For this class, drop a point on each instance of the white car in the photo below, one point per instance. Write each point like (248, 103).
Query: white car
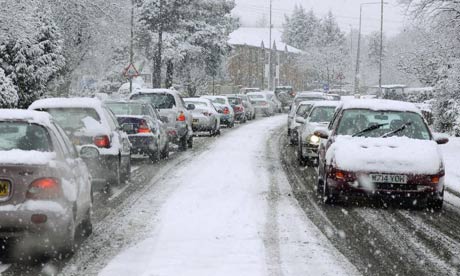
(272, 97)
(319, 116)
(262, 104)
(381, 148)
(227, 115)
(301, 111)
(205, 116)
(88, 121)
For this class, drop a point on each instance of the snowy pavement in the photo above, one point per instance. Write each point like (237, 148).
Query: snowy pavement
(232, 213)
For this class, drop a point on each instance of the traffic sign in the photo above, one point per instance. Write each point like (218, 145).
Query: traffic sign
(130, 71)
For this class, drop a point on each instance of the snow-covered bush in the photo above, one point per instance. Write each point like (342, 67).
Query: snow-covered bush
(8, 93)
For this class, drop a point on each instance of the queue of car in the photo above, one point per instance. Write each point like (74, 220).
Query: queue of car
(369, 148)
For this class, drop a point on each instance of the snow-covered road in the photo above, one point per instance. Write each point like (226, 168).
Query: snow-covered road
(232, 213)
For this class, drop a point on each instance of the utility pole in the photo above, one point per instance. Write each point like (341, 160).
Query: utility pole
(270, 49)
(131, 47)
(381, 47)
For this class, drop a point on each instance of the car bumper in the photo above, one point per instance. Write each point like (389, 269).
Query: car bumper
(202, 124)
(264, 110)
(177, 132)
(103, 168)
(309, 151)
(227, 119)
(142, 144)
(240, 116)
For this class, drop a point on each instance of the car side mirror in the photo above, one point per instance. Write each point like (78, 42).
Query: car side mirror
(190, 107)
(220, 111)
(300, 120)
(321, 133)
(127, 127)
(441, 139)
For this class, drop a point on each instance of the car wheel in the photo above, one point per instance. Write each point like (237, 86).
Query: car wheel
(289, 132)
(300, 158)
(183, 143)
(165, 152)
(155, 156)
(190, 142)
(86, 226)
(319, 187)
(435, 202)
(125, 176)
(116, 180)
(328, 197)
(68, 245)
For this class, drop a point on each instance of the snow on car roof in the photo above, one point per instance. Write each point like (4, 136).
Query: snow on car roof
(154, 90)
(202, 100)
(379, 104)
(325, 103)
(307, 102)
(310, 93)
(30, 116)
(66, 103)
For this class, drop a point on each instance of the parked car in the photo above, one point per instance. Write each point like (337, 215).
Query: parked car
(380, 148)
(45, 187)
(263, 95)
(205, 116)
(309, 96)
(319, 116)
(286, 95)
(272, 97)
(146, 132)
(227, 115)
(263, 107)
(250, 110)
(238, 108)
(174, 113)
(88, 121)
(301, 111)
(246, 90)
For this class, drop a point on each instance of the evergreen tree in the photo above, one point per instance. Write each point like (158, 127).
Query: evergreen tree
(8, 93)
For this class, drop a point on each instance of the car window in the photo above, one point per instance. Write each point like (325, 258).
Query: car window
(303, 110)
(111, 119)
(69, 147)
(159, 100)
(24, 136)
(321, 114)
(73, 119)
(126, 108)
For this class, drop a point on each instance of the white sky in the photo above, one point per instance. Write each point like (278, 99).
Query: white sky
(346, 12)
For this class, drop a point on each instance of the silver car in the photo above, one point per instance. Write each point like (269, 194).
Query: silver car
(301, 111)
(205, 116)
(45, 187)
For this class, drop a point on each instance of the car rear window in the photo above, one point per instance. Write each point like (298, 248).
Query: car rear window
(303, 109)
(159, 100)
(197, 104)
(126, 108)
(72, 119)
(218, 100)
(24, 136)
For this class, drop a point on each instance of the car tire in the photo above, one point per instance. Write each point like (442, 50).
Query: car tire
(328, 197)
(68, 246)
(436, 202)
(116, 181)
(126, 175)
(289, 132)
(190, 142)
(86, 226)
(183, 143)
(165, 151)
(155, 156)
(301, 161)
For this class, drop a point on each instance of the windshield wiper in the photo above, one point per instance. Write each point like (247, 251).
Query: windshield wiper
(367, 129)
(401, 128)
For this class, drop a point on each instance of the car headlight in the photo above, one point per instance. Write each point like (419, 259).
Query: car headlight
(314, 140)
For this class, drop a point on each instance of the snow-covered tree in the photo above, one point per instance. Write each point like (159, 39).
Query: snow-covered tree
(301, 29)
(8, 92)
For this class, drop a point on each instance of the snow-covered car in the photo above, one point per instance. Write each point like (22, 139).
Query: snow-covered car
(45, 187)
(227, 116)
(263, 95)
(319, 116)
(88, 121)
(174, 113)
(205, 116)
(272, 97)
(263, 107)
(248, 107)
(380, 148)
(238, 108)
(309, 96)
(301, 111)
(142, 123)
(285, 95)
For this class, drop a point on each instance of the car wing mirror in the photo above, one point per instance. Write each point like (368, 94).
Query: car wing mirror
(89, 152)
(440, 138)
(321, 133)
(300, 120)
(190, 107)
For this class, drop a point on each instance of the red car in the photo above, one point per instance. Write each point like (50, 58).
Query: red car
(380, 148)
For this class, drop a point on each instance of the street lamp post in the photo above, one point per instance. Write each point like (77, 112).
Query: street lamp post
(381, 47)
(270, 49)
(131, 46)
(356, 88)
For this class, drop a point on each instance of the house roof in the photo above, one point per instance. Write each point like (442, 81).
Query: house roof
(255, 36)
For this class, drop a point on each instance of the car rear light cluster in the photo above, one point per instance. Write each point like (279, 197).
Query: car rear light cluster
(143, 127)
(341, 175)
(226, 111)
(102, 141)
(181, 117)
(44, 189)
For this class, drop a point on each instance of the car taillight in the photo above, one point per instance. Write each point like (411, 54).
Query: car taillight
(340, 175)
(102, 141)
(181, 117)
(143, 127)
(238, 109)
(44, 188)
(226, 110)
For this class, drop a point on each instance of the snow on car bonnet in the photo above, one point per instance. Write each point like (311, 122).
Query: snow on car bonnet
(379, 104)
(385, 155)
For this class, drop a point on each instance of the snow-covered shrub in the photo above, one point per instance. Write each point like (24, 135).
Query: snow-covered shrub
(8, 93)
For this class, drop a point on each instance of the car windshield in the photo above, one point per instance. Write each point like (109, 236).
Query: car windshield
(126, 108)
(322, 114)
(303, 109)
(24, 136)
(73, 119)
(159, 100)
(354, 121)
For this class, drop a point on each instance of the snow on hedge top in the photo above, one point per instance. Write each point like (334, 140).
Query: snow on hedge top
(256, 36)
(379, 104)
(385, 155)
(67, 103)
(30, 116)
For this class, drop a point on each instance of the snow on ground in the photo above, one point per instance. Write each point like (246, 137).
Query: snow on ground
(451, 154)
(232, 215)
